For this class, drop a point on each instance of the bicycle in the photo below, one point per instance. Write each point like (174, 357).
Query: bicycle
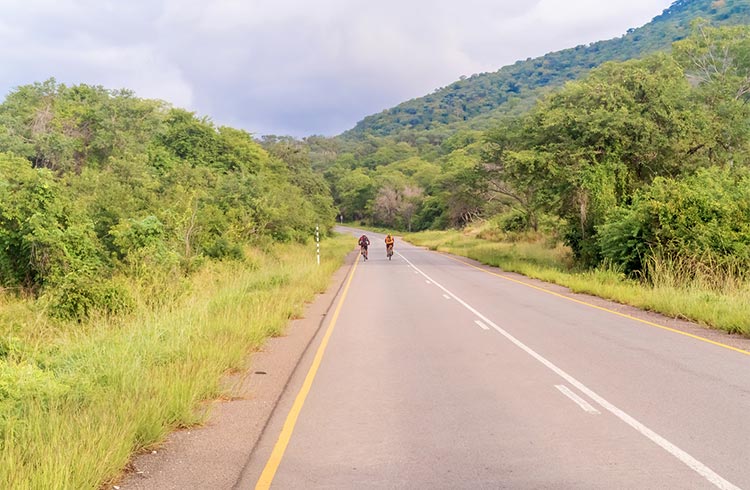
(389, 251)
(363, 252)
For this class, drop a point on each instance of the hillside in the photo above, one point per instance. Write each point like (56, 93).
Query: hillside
(476, 100)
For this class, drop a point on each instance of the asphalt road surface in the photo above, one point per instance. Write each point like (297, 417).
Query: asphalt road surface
(434, 373)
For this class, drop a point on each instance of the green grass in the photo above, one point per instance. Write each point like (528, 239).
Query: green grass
(709, 299)
(76, 400)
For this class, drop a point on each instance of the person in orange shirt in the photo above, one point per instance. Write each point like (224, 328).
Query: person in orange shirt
(389, 241)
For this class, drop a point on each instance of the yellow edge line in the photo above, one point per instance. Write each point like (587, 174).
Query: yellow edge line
(264, 482)
(624, 315)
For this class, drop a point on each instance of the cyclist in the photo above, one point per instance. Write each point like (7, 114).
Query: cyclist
(389, 241)
(364, 242)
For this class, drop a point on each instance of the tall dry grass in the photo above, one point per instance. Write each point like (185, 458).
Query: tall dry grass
(76, 400)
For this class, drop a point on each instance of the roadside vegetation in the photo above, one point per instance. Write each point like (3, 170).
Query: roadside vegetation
(144, 253)
(77, 398)
(711, 295)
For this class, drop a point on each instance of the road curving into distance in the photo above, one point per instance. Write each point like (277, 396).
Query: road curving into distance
(435, 373)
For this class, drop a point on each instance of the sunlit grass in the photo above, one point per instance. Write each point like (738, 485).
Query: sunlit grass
(76, 400)
(715, 298)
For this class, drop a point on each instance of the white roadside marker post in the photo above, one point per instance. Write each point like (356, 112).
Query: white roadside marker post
(317, 242)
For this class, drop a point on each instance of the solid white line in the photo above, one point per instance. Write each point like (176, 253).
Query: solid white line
(446, 296)
(479, 322)
(428, 282)
(675, 451)
(586, 406)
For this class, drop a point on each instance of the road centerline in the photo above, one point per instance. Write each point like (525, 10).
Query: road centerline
(672, 449)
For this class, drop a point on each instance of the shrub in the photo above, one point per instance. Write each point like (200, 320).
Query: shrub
(25, 380)
(78, 294)
(42, 235)
(514, 221)
(131, 235)
(220, 248)
(705, 216)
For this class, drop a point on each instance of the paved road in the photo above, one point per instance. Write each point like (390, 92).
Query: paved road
(440, 375)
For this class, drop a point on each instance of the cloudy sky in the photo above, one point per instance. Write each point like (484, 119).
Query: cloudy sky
(292, 66)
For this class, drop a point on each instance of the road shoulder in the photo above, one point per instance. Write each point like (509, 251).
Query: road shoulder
(214, 455)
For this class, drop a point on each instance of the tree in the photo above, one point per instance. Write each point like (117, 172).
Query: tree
(463, 192)
(587, 148)
(397, 207)
(517, 173)
(355, 189)
(387, 205)
(410, 203)
(717, 61)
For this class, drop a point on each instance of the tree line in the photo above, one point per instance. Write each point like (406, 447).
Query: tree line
(98, 185)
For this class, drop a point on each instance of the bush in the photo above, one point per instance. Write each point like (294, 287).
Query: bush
(151, 194)
(221, 248)
(20, 382)
(42, 234)
(77, 295)
(514, 221)
(131, 235)
(705, 216)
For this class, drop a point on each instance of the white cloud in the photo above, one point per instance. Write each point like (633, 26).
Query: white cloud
(292, 66)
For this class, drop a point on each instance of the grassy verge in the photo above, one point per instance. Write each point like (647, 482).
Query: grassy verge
(726, 307)
(76, 400)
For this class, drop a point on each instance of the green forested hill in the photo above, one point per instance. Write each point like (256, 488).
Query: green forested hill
(612, 163)
(513, 88)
